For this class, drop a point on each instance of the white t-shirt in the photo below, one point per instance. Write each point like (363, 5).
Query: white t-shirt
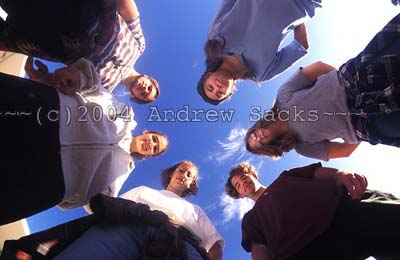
(181, 211)
(95, 138)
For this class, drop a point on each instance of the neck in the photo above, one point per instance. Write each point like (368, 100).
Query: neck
(258, 193)
(131, 77)
(177, 192)
(233, 65)
(278, 127)
(133, 148)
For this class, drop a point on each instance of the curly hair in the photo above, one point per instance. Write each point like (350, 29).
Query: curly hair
(166, 175)
(243, 168)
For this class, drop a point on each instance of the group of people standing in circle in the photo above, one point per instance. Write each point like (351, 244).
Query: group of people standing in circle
(312, 212)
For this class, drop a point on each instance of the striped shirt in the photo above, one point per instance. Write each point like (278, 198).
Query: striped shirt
(117, 59)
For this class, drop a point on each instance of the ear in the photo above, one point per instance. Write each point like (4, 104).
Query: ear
(254, 175)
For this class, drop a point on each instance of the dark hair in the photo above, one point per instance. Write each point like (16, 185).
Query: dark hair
(214, 50)
(202, 93)
(167, 173)
(153, 82)
(276, 147)
(240, 169)
(139, 156)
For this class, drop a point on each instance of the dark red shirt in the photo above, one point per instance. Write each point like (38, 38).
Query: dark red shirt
(294, 210)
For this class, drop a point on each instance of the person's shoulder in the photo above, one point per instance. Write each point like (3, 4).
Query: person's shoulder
(248, 217)
(138, 189)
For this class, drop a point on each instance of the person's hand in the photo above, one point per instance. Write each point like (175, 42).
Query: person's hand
(41, 74)
(67, 80)
(355, 184)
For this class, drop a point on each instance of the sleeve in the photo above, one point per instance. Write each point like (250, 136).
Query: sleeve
(133, 194)
(304, 172)
(251, 234)
(136, 29)
(223, 10)
(296, 82)
(316, 150)
(284, 58)
(206, 231)
(89, 78)
(114, 188)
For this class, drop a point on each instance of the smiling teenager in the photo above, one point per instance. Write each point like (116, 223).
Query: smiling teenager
(200, 235)
(358, 102)
(313, 213)
(241, 48)
(143, 89)
(63, 145)
(106, 32)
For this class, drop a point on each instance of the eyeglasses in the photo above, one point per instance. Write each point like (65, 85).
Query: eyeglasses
(156, 142)
(255, 139)
(187, 172)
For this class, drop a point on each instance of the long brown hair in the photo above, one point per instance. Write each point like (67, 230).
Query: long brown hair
(214, 50)
(276, 148)
(167, 174)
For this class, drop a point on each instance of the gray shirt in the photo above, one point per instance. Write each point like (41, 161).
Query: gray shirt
(317, 111)
(255, 29)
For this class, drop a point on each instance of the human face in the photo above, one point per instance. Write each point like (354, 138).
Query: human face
(150, 144)
(218, 85)
(142, 88)
(259, 137)
(183, 177)
(244, 184)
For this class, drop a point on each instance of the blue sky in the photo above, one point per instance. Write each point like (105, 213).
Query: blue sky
(175, 32)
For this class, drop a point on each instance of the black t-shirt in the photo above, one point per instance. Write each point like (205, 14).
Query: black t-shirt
(293, 211)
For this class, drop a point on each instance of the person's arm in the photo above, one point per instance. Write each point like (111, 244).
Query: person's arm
(300, 34)
(284, 58)
(259, 252)
(313, 71)
(355, 184)
(67, 80)
(127, 9)
(289, 54)
(215, 252)
(338, 150)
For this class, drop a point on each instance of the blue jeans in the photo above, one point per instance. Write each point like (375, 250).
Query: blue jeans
(114, 242)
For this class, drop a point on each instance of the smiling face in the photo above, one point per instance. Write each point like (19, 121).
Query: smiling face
(183, 177)
(144, 89)
(244, 184)
(258, 137)
(150, 144)
(219, 85)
